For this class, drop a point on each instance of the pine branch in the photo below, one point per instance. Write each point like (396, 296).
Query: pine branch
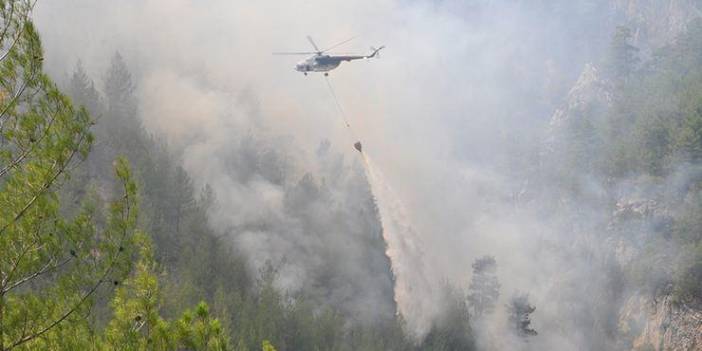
(19, 93)
(48, 267)
(9, 23)
(27, 151)
(125, 217)
(19, 32)
(46, 186)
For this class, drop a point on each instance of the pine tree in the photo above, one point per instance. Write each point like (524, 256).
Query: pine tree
(622, 57)
(484, 288)
(138, 325)
(122, 128)
(688, 137)
(51, 267)
(266, 346)
(520, 310)
(83, 92)
(57, 265)
(119, 91)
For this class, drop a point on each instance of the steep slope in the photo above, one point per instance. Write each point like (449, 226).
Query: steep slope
(661, 325)
(625, 145)
(302, 268)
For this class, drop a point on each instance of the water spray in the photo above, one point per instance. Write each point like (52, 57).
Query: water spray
(412, 290)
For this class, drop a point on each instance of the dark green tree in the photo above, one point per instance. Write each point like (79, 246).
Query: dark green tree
(119, 92)
(51, 266)
(138, 325)
(622, 56)
(121, 128)
(83, 92)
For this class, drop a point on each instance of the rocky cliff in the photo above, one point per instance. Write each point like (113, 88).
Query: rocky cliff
(645, 323)
(661, 325)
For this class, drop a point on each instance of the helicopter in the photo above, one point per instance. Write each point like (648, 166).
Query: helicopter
(323, 62)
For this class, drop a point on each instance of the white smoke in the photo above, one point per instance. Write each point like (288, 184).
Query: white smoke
(460, 87)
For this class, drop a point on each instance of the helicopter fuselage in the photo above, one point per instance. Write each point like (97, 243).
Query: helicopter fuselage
(323, 63)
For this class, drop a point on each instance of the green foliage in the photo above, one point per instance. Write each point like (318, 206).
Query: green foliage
(196, 330)
(54, 268)
(645, 141)
(75, 259)
(655, 129)
(175, 213)
(51, 266)
(267, 346)
(138, 325)
(656, 123)
(622, 56)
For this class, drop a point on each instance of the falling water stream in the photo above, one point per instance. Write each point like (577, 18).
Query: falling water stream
(413, 289)
(403, 247)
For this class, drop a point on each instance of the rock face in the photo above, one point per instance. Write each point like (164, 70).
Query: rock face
(661, 326)
(590, 96)
(590, 91)
(655, 23)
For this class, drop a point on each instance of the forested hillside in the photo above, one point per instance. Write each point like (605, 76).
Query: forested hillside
(643, 146)
(580, 232)
(624, 152)
(199, 264)
(55, 267)
(93, 280)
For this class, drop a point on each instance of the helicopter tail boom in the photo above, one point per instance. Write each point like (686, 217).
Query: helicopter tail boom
(375, 52)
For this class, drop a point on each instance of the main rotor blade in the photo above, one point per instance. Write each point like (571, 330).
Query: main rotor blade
(294, 53)
(339, 44)
(309, 38)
